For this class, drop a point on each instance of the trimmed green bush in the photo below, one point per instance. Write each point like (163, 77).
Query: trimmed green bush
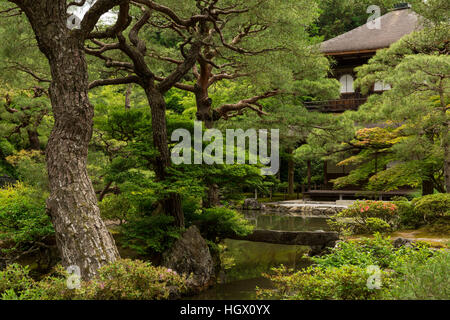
(409, 217)
(364, 217)
(216, 224)
(433, 207)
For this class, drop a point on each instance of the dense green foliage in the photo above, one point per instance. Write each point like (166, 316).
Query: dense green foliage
(338, 17)
(423, 280)
(149, 234)
(152, 234)
(433, 206)
(24, 223)
(122, 280)
(367, 217)
(216, 224)
(344, 283)
(344, 274)
(262, 66)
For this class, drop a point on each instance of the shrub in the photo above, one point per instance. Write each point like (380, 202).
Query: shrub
(116, 207)
(15, 279)
(137, 280)
(219, 223)
(30, 168)
(423, 280)
(24, 222)
(132, 203)
(378, 251)
(149, 234)
(377, 225)
(121, 280)
(345, 283)
(344, 273)
(408, 216)
(433, 207)
(367, 217)
(191, 206)
(440, 226)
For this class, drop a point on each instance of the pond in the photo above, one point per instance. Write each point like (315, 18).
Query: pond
(245, 261)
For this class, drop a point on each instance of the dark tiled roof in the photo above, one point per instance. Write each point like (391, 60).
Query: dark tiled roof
(394, 25)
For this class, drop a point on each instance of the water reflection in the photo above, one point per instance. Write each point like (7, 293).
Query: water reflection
(246, 260)
(237, 290)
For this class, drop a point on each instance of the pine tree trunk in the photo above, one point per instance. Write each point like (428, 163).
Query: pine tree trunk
(82, 237)
(204, 114)
(445, 145)
(308, 164)
(128, 97)
(213, 199)
(291, 167)
(445, 136)
(447, 168)
(172, 204)
(427, 187)
(33, 139)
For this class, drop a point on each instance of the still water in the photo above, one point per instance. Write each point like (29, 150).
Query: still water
(246, 261)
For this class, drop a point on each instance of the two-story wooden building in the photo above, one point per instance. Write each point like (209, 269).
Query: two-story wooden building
(353, 49)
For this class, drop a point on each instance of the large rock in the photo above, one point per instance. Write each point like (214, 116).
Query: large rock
(403, 242)
(252, 204)
(190, 256)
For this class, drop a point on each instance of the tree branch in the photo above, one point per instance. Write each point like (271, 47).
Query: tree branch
(115, 81)
(97, 10)
(251, 103)
(182, 69)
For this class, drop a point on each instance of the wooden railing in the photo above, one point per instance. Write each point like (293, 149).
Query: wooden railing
(335, 106)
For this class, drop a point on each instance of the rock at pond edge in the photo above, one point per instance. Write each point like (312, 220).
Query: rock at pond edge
(190, 255)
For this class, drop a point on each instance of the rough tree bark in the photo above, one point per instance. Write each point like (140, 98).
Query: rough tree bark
(204, 114)
(308, 165)
(172, 204)
(204, 103)
(445, 135)
(128, 97)
(82, 237)
(291, 168)
(33, 139)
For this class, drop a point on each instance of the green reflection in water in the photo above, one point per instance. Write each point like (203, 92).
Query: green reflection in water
(251, 259)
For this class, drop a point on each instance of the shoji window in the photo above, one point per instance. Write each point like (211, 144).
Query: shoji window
(381, 86)
(346, 84)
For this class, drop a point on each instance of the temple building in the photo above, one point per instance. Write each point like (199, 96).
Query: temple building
(350, 50)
